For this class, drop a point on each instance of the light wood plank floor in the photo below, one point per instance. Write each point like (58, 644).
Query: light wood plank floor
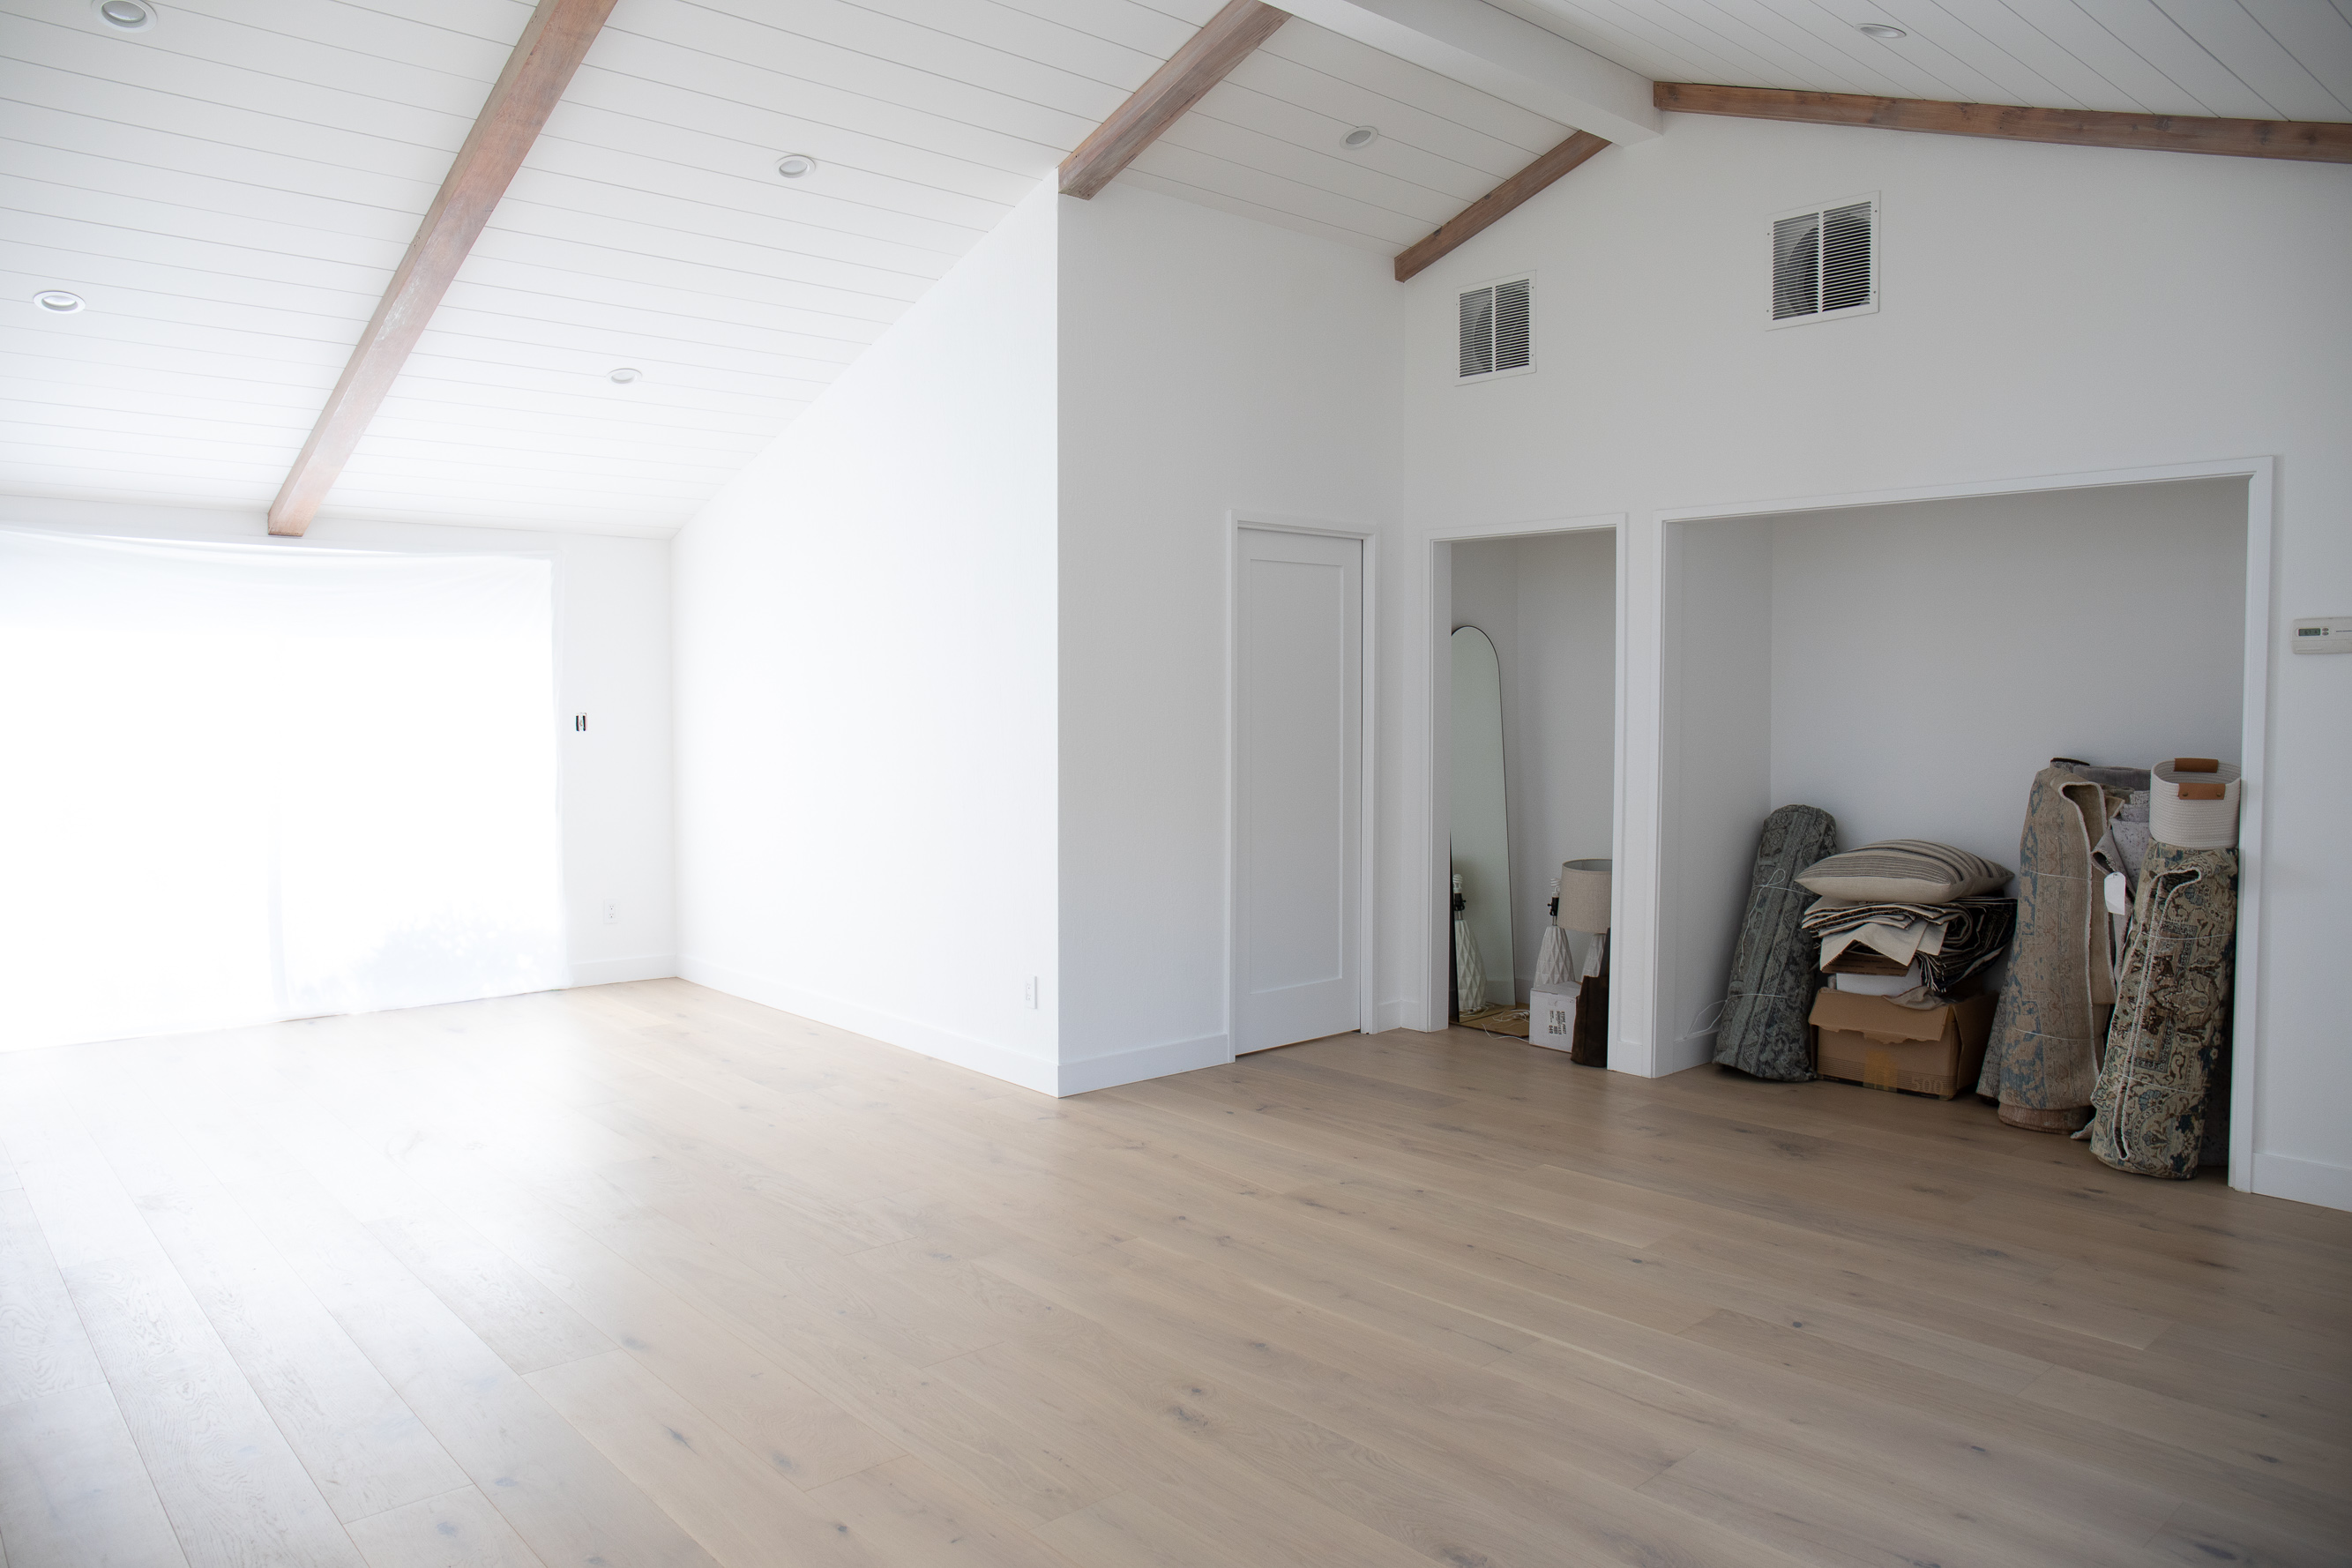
(645, 1274)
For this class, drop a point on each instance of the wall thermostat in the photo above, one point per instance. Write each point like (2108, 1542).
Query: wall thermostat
(2325, 634)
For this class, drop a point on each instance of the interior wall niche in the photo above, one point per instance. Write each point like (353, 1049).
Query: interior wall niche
(1909, 667)
(1548, 603)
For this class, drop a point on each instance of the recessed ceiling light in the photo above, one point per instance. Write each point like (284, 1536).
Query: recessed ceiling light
(792, 166)
(57, 301)
(1362, 136)
(626, 374)
(125, 15)
(1885, 32)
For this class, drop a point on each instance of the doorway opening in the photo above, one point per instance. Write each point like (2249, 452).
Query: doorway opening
(1526, 769)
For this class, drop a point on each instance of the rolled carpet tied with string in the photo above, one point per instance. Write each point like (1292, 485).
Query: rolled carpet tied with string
(1763, 1030)
(2042, 1061)
(2172, 1015)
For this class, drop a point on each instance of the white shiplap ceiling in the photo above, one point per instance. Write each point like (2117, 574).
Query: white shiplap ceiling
(231, 189)
(2250, 59)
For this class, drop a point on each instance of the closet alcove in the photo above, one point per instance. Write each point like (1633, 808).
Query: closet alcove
(1546, 603)
(1909, 666)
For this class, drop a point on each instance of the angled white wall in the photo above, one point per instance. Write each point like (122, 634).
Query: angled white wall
(1209, 363)
(865, 683)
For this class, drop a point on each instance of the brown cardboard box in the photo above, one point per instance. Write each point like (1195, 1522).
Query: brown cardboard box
(1913, 1050)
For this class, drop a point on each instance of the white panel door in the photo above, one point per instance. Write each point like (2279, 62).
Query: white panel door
(1298, 796)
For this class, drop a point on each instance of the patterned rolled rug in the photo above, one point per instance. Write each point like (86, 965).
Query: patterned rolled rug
(2043, 1060)
(2172, 1014)
(1763, 1029)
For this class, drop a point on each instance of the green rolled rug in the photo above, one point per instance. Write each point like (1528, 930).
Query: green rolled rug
(1763, 1031)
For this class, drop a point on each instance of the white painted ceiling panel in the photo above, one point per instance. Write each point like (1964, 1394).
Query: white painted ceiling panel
(231, 190)
(2262, 59)
(1267, 142)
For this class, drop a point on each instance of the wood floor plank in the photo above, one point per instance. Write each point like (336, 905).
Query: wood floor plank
(561, 1497)
(664, 1278)
(43, 1349)
(741, 1510)
(454, 1530)
(232, 1487)
(360, 1444)
(510, 1311)
(73, 1490)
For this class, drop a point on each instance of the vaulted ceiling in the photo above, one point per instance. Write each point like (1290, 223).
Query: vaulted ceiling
(229, 191)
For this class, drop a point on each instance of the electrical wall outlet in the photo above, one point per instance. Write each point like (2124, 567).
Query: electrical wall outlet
(1029, 992)
(612, 912)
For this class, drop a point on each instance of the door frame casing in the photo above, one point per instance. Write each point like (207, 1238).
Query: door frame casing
(1367, 639)
(1437, 781)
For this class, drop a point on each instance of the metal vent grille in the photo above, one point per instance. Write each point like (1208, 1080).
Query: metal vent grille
(1824, 261)
(1511, 325)
(1497, 328)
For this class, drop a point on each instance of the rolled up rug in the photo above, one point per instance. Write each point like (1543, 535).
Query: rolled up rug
(1763, 1029)
(2043, 1058)
(2172, 1015)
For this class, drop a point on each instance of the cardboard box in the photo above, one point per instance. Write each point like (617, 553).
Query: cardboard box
(1551, 1014)
(1911, 1050)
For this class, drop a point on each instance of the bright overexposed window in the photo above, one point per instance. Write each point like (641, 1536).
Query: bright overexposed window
(242, 783)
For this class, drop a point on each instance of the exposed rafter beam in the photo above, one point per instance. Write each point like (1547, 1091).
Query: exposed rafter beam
(1224, 43)
(1489, 208)
(1488, 48)
(536, 74)
(2316, 140)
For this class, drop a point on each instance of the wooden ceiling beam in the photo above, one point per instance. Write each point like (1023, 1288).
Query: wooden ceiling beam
(1221, 44)
(1489, 210)
(550, 48)
(2322, 141)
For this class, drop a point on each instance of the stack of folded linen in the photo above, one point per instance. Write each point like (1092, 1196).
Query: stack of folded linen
(1930, 948)
(1907, 919)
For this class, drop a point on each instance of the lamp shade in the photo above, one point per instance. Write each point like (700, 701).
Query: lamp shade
(1583, 896)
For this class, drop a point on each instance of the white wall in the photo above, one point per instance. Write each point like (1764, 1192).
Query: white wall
(2107, 624)
(1555, 596)
(1208, 363)
(866, 674)
(612, 636)
(2047, 311)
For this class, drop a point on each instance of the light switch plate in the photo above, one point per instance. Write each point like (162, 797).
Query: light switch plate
(2322, 634)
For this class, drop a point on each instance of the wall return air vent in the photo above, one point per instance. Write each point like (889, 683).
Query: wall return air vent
(1825, 262)
(1496, 331)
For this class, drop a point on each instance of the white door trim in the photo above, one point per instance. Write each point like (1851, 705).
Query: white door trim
(1437, 783)
(2261, 474)
(1236, 520)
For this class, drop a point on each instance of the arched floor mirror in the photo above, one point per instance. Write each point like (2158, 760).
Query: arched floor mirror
(1484, 978)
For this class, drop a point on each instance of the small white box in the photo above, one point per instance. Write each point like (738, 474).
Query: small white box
(1551, 1014)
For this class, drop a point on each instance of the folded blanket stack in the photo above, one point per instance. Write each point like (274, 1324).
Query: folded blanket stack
(1947, 943)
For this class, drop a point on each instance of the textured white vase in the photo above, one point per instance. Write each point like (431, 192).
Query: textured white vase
(1469, 973)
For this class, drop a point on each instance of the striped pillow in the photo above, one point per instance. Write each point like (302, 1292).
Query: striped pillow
(1903, 871)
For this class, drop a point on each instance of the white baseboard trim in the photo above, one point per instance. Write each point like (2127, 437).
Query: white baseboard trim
(1115, 1068)
(613, 971)
(1387, 1016)
(2305, 1181)
(944, 1045)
